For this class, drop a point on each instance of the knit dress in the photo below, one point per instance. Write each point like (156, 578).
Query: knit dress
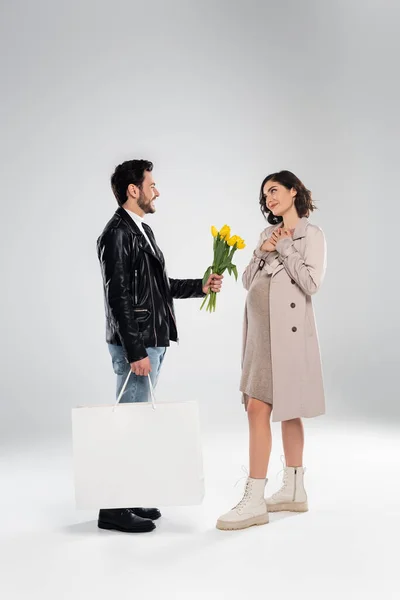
(256, 379)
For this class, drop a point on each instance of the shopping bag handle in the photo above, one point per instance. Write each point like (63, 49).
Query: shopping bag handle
(153, 399)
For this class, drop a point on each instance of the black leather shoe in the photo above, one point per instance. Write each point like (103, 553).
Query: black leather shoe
(123, 519)
(147, 513)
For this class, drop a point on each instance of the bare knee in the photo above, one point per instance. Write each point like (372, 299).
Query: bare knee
(256, 409)
(292, 423)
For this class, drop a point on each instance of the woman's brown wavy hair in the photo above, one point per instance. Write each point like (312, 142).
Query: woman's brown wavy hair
(303, 201)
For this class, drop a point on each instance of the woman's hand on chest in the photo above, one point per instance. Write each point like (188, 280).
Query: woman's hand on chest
(278, 234)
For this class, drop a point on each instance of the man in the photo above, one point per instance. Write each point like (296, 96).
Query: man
(140, 317)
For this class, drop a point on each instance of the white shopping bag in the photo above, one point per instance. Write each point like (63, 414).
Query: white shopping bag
(137, 454)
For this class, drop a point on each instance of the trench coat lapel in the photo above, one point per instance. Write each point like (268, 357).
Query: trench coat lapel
(298, 234)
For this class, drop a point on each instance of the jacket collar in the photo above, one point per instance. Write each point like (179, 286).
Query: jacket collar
(157, 252)
(141, 238)
(120, 212)
(300, 229)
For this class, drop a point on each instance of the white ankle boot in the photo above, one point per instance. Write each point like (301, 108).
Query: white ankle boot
(251, 510)
(292, 495)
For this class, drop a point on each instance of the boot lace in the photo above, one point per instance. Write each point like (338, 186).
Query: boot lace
(245, 476)
(284, 480)
(247, 489)
(245, 498)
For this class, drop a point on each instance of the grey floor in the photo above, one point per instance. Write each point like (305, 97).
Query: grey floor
(344, 547)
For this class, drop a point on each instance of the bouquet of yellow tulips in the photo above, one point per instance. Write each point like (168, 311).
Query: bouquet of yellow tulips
(225, 247)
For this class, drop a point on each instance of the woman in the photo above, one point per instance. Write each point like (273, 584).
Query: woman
(281, 365)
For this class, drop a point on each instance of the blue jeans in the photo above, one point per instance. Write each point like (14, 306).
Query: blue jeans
(137, 389)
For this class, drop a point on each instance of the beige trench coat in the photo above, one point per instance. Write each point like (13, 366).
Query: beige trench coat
(297, 268)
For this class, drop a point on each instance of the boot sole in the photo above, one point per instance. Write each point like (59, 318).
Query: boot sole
(228, 526)
(110, 526)
(288, 507)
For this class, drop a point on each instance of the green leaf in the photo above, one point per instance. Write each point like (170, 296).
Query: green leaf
(235, 272)
(207, 275)
(219, 252)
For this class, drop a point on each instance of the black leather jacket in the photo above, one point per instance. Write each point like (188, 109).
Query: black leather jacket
(138, 293)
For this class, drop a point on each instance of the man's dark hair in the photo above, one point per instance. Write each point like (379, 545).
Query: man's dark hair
(130, 171)
(303, 200)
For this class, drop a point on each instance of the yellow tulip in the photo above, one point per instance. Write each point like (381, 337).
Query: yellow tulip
(225, 232)
(214, 231)
(232, 240)
(241, 244)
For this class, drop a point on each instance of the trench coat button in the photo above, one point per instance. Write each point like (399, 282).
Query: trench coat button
(292, 305)
(292, 281)
(294, 329)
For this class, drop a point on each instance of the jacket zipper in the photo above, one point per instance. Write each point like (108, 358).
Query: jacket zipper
(295, 484)
(136, 295)
(152, 301)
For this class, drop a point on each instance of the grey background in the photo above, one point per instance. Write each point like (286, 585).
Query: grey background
(217, 94)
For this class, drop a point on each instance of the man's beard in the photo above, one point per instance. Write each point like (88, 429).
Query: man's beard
(145, 204)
